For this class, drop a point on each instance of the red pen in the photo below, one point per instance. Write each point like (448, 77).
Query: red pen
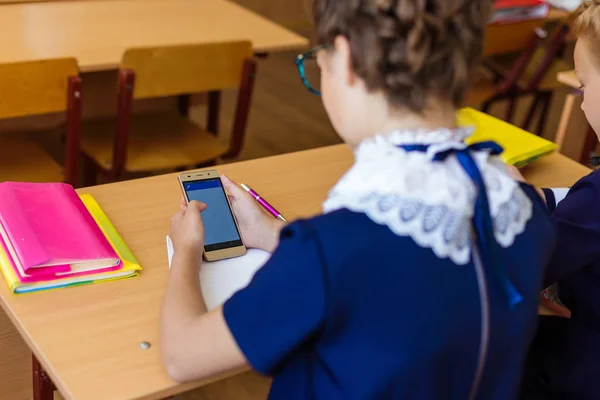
(263, 203)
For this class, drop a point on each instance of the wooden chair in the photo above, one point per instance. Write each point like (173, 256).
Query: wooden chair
(168, 140)
(532, 73)
(34, 88)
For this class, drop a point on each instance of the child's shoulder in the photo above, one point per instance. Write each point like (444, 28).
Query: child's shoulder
(340, 225)
(581, 203)
(588, 182)
(341, 232)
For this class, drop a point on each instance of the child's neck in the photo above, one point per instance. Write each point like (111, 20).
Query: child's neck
(426, 121)
(433, 118)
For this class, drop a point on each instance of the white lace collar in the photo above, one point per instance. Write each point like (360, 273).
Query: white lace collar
(431, 202)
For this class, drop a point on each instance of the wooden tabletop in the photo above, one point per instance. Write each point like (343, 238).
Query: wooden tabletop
(568, 78)
(88, 338)
(97, 32)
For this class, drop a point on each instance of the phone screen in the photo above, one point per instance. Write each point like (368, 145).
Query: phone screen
(220, 229)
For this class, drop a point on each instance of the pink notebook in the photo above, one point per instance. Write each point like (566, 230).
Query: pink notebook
(52, 274)
(47, 230)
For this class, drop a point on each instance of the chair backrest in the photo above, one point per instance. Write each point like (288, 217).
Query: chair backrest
(175, 70)
(509, 38)
(35, 87)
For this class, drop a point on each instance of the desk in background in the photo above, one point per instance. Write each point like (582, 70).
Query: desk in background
(88, 338)
(97, 33)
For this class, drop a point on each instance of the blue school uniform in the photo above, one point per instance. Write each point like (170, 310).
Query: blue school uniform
(398, 290)
(564, 362)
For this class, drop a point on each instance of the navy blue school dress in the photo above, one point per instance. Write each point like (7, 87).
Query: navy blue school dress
(564, 362)
(414, 284)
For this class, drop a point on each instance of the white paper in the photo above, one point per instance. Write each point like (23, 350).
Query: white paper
(560, 194)
(219, 280)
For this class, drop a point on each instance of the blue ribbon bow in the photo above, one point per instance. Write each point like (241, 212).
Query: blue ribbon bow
(482, 220)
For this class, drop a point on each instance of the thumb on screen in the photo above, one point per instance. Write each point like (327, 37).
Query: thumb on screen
(232, 187)
(197, 206)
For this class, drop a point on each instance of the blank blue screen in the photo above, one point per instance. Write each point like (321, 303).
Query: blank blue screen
(219, 224)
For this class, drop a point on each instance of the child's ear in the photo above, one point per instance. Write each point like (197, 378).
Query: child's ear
(344, 60)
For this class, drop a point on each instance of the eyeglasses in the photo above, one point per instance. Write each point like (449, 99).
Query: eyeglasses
(302, 70)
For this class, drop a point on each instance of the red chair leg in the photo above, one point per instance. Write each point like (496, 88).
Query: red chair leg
(43, 388)
(73, 131)
(242, 109)
(90, 172)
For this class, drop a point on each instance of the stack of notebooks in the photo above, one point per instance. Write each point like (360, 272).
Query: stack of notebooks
(51, 237)
(520, 147)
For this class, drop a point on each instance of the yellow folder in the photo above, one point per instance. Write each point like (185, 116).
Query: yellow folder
(129, 265)
(520, 146)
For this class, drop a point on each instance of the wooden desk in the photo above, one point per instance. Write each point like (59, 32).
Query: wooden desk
(509, 38)
(87, 338)
(568, 78)
(573, 123)
(97, 32)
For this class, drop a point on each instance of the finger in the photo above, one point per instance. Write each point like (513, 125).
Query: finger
(232, 187)
(176, 217)
(196, 206)
(183, 201)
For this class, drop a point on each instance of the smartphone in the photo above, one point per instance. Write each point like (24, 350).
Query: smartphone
(222, 234)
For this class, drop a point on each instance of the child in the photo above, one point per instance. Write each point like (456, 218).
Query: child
(421, 279)
(564, 360)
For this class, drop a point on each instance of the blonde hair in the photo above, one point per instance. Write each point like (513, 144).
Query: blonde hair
(587, 25)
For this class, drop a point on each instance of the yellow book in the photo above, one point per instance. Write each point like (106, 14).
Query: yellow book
(129, 265)
(520, 146)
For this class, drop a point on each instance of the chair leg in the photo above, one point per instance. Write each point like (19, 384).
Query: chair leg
(532, 111)
(485, 107)
(510, 111)
(544, 115)
(43, 388)
(90, 173)
(183, 105)
(242, 109)
(214, 110)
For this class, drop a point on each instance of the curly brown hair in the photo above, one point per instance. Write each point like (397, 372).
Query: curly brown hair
(410, 49)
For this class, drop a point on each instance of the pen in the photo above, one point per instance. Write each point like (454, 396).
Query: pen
(263, 203)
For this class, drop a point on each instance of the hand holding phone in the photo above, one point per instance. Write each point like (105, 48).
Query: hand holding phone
(187, 229)
(222, 234)
(258, 228)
